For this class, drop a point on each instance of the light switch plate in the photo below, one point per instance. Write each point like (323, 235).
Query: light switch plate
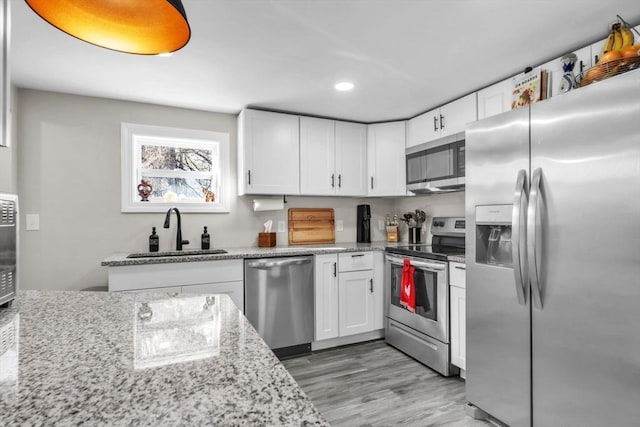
(339, 225)
(32, 222)
(381, 224)
(282, 227)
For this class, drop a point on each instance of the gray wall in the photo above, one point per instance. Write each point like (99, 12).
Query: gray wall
(9, 155)
(69, 174)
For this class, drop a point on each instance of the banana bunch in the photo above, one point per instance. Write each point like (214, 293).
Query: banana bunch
(620, 37)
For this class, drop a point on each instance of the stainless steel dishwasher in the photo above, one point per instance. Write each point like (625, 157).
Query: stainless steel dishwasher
(279, 302)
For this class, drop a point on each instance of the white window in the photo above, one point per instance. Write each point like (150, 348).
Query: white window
(164, 167)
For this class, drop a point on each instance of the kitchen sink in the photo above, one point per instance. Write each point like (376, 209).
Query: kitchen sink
(177, 253)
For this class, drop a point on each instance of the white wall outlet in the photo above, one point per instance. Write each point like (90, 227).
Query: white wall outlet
(282, 227)
(32, 222)
(381, 225)
(339, 225)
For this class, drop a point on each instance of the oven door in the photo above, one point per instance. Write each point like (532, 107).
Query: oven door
(432, 296)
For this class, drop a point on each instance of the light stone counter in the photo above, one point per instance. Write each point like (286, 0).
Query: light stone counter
(118, 260)
(97, 358)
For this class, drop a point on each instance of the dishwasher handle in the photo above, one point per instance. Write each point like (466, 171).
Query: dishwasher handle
(275, 262)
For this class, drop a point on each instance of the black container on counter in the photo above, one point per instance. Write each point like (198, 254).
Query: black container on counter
(205, 240)
(154, 241)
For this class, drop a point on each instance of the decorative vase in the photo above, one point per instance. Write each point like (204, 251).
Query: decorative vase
(144, 190)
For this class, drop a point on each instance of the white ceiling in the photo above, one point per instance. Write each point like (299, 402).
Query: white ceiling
(404, 56)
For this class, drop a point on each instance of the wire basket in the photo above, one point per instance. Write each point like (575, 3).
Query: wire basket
(608, 69)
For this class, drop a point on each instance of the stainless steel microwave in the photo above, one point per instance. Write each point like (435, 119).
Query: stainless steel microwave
(436, 166)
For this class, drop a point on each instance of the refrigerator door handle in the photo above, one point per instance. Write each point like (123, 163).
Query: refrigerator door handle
(533, 245)
(518, 236)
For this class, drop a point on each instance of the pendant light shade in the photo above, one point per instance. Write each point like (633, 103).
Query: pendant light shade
(145, 27)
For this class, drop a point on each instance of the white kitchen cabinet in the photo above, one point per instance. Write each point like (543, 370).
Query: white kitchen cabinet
(458, 314)
(423, 128)
(386, 159)
(351, 159)
(356, 302)
(447, 120)
(268, 153)
(326, 297)
(332, 157)
(495, 99)
(224, 276)
(348, 294)
(234, 289)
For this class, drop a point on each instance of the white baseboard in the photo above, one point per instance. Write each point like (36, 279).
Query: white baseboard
(351, 339)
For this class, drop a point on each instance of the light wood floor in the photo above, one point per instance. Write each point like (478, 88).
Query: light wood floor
(373, 384)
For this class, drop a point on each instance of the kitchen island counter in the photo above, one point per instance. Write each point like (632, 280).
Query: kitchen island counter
(102, 358)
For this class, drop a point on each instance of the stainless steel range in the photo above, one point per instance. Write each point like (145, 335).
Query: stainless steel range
(422, 331)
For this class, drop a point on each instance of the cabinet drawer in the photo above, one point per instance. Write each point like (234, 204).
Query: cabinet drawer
(457, 274)
(354, 261)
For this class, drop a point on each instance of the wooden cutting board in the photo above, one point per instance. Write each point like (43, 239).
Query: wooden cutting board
(311, 226)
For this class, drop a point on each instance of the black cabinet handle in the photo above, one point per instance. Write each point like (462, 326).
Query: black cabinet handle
(457, 267)
(581, 66)
(372, 183)
(435, 123)
(371, 285)
(441, 121)
(335, 269)
(249, 172)
(340, 180)
(333, 180)
(357, 255)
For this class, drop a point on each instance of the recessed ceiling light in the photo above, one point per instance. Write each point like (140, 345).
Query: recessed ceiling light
(342, 86)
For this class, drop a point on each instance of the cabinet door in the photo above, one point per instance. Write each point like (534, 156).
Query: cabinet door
(234, 289)
(596, 51)
(456, 115)
(378, 289)
(326, 296)
(356, 302)
(495, 99)
(458, 327)
(423, 128)
(386, 159)
(317, 157)
(351, 159)
(268, 153)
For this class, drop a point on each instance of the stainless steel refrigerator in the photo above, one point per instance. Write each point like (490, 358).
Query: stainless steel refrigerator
(553, 259)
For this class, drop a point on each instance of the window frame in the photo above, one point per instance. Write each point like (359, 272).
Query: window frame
(130, 202)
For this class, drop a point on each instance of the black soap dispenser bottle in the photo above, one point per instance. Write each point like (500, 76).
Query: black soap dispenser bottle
(205, 240)
(154, 241)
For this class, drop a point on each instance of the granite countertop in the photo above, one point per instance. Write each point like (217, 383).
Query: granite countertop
(120, 259)
(102, 358)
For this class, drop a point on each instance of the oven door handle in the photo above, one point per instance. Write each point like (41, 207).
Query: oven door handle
(421, 264)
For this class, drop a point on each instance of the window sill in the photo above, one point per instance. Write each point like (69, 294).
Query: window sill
(164, 207)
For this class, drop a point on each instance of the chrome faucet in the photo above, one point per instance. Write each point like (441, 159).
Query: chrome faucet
(179, 241)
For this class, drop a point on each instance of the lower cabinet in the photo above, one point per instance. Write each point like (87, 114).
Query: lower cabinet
(348, 294)
(355, 302)
(458, 314)
(217, 277)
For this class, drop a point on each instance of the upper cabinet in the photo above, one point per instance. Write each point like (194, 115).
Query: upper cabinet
(444, 121)
(332, 157)
(495, 99)
(268, 153)
(386, 161)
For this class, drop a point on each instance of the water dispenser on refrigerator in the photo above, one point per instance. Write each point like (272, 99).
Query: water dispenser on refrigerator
(493, 235)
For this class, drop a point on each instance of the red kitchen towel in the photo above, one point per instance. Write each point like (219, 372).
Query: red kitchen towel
(407, 287)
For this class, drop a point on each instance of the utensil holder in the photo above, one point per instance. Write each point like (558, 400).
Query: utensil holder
(266, 240)
(392, 233)
(414, 234)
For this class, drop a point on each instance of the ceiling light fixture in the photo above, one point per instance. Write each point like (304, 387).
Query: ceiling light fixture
(148, 27)
(344, 86)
